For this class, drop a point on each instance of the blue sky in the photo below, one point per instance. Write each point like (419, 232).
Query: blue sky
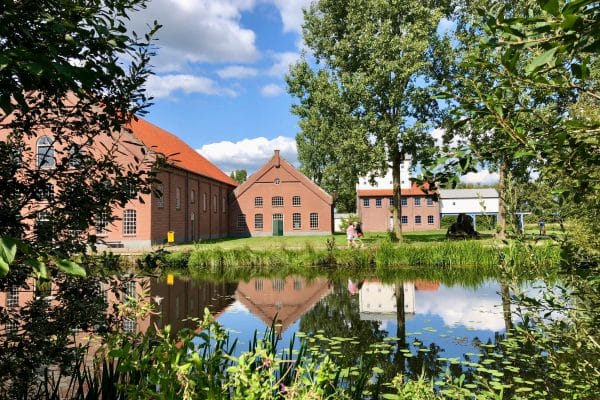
(219, 76)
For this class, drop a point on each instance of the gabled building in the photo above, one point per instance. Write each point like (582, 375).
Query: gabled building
(420, 211)
(279, 200)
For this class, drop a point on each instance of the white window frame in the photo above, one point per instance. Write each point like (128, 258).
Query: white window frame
(160, 199)
(417, 202)
(366, 202)
(296, 201)
(429, 202)
(129, 222)
(314, 220)
(403, 201)
(378, 202)
(178, 198)
(259, 221)
(418, 220)
(296, 221)
(430, 220)
(192, 196)
(404, 220)
(241, 222)
(277, 201)
(258, 202)
(46, 159)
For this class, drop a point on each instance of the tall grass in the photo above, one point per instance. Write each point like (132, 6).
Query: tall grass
(453, 254)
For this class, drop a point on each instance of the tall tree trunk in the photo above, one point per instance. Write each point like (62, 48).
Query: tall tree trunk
(399, 358)
(396, 157)
(502, 187)
(505, 295)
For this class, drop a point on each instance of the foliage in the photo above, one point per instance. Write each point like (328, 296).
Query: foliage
(366, 92)
(72, 71)
(239, 175)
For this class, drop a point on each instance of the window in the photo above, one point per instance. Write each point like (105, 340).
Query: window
(296, 201)
(404, 219)
(204, 202)
(430, 219)
(75, 156)
(417, 219)
(45, 152)
(43, 226)
(277, 217)
(258, 285)
(101, 223)
(392, 202)
(429, 201)
(258, 202)
(215, 203)
(129, 325)
(365, 202)
(314, 221)
(297, 284)
(12, 298)
(193, 196)
(277, 201)
(224, 207)
(160, 196)
(277, 181)
(46, 192)
(258, 221)
(403, 201)
(296, 221)
(278, 284)
(378, 202)
(129, 222)
(241, 222)
(178, 198)
(417, 201)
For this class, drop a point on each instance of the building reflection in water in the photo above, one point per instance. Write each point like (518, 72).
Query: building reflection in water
(181, 300)
(282, 300)
(378, 301)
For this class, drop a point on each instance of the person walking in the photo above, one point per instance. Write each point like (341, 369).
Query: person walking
(542, 225)
(350, 235)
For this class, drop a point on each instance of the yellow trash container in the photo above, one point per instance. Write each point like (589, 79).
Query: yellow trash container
(171, 237)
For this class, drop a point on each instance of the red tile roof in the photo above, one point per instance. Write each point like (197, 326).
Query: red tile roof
(180, 154)
(413, 191)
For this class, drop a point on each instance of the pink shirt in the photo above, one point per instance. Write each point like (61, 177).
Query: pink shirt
(350, 232)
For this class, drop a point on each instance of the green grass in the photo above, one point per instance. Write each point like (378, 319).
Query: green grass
(316, 242)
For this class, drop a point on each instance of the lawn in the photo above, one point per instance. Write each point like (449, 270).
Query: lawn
(317, 242)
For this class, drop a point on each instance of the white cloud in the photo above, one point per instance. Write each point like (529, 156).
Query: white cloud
(283, 62)
(237, 72)
(271, 90)
(198, 31)
(291, 13)
(164, 86)
(249, 154)
(483, 177)
(480, 309)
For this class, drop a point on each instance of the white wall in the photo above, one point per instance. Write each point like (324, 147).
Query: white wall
(468, 206)
(386, 181)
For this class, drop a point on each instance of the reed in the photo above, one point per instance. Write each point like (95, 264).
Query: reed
(384, 254)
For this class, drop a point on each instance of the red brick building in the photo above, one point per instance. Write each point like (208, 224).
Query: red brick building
(194, 204)
(195, 193)
(420, 212)
(280, 200)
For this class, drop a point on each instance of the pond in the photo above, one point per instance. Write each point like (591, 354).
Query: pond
(430, 322)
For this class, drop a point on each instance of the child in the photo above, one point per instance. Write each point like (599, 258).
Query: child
(359, 234)
(350, 235)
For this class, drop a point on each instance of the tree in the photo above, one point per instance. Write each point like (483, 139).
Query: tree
(375, 55)
(73, 72)
(239, 175)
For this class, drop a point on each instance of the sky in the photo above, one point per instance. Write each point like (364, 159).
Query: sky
(219, 76)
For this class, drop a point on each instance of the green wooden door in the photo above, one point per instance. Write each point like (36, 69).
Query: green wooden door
(277, 227)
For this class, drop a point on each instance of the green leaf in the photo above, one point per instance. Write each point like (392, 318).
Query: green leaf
(38, 266)
(550, 6)
(70, 267)
(8, 251)
(546, 57)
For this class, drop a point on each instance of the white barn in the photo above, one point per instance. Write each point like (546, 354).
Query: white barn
(473, 202)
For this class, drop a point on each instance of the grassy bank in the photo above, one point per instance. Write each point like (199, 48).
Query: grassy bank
(380, 256)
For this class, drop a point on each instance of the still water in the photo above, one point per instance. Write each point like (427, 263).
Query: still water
(446, 321)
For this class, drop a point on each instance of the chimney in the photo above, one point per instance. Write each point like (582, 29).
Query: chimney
(277, 160)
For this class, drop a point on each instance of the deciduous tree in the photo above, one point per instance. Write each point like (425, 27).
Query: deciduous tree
(376, 57)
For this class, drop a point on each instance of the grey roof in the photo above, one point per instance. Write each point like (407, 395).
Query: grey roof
(468, 193)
